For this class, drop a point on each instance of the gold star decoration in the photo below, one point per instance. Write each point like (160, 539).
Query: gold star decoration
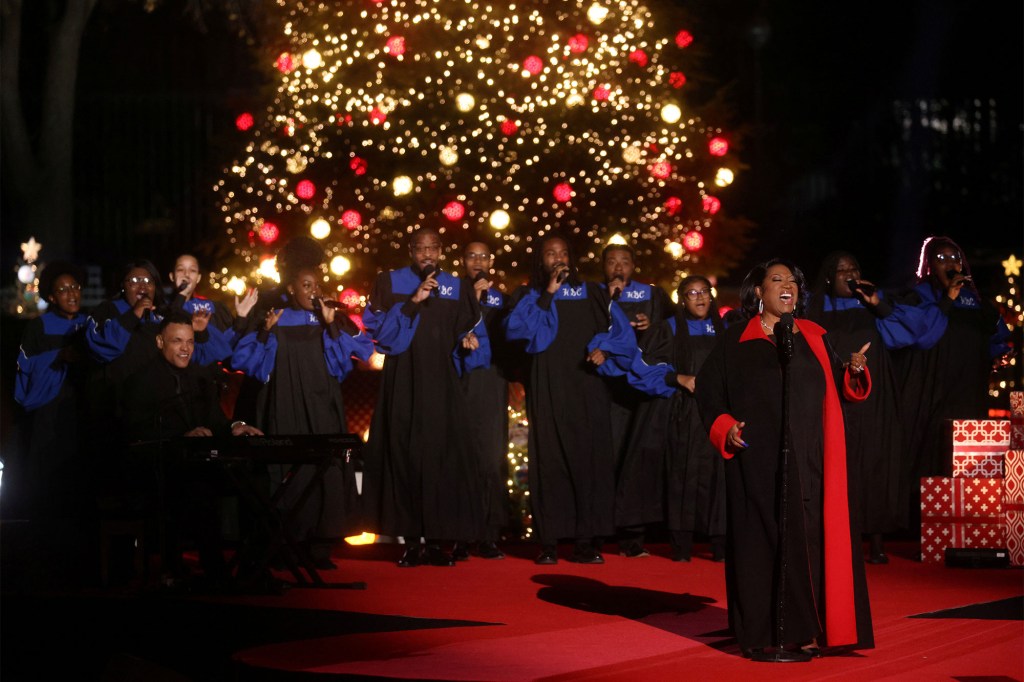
(1011, 265)
(30, 250)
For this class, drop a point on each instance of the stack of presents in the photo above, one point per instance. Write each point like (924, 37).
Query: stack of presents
(981, 506)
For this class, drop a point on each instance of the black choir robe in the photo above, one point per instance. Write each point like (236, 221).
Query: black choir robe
(826, 593)
(420, 478)
(487, 393)
(571, 470)
(672, 471)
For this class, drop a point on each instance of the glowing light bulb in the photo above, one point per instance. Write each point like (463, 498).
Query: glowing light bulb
(401, 185)
(500, 219)
(617, 239)
(311, 59)
(671, 113)
(724, 177)
(632, 154)
(597, 13)
(465, 102)
(340, 265)
(675, 249)
(448, 156)
(268, 269)
(235, 286)
(320, 229)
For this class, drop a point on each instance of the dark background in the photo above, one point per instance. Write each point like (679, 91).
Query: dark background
(869, 126)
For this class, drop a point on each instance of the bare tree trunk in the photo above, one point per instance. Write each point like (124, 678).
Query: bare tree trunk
(42, 180)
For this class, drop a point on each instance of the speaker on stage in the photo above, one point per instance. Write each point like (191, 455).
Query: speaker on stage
(977, 557)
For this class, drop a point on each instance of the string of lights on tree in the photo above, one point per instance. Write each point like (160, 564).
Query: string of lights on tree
(496, 122)
(1006, 375)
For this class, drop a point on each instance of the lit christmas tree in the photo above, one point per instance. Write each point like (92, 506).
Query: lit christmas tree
(487, 122)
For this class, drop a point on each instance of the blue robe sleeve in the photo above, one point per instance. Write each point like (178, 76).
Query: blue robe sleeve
(466, 361)
(215, 347)
(618, 343)
(108, 337)
(39, 378)
(532, 323)
(650, 379)
(255, 356)
(339, 352)
(932, 325)
(903, 326)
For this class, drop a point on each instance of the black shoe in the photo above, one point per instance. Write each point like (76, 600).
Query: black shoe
(460, 552)
(547, 557)
(435, 556)
(413, 556)
(812, 650)
(634, 551)
(586, 554)
(489, 550)
(878, 558)
(680, 554)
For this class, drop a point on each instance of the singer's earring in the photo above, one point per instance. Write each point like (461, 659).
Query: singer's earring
(760, 306)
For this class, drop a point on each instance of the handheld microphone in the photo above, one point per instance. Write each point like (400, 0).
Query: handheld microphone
(618, 291)
(427, 272)
(866, 290)
(319, 303)
(784, 337)
(476, 278)
(951, 273)
(563, 275)
(183, 285)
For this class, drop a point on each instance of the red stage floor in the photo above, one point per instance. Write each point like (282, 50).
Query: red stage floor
(635, 619)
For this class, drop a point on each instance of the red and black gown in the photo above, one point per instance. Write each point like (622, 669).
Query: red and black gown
(826, 594)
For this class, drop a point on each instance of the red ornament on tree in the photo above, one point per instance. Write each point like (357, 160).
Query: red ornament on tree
(358, 166)
(305, 189)
(638, 57)
(351, 219)
(677, 79)
(285, 63)
(454, 211)
(601, 93)
(268, 233)
(533, 65)
(350, 298)
(673, 205)
(509, 127)
(377, 116)
(711, 204)
(684, 38)
(693, 241)
(578, 43)
(395, 46)
(661, 169)
(563, 192)
(718, 146)
(244, 121)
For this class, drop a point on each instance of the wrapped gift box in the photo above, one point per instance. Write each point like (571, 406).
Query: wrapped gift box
(976, 447)
(1013, 505)
(1017, 420)
(960, 512)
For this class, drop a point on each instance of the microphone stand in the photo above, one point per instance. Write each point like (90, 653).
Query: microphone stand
(784, 344)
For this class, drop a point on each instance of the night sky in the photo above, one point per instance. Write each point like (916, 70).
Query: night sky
(826, 168)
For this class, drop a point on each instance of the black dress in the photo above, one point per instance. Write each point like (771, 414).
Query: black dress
(826, 594)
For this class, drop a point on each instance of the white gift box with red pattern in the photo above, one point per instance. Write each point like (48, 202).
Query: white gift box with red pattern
(960, 512)
(1013, 505)
(977, 447)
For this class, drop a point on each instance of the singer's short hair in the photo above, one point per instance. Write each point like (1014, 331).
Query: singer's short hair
(175, 316)
(754, 278)
(53, 271)
(618, 247)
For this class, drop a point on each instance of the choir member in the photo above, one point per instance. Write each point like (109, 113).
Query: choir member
(572, 481)
(669, 431)
(487, 393)
(739, 391)
(855, 311)
(944, 374)
(421, 480)
(44, 479)
(301, 353)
